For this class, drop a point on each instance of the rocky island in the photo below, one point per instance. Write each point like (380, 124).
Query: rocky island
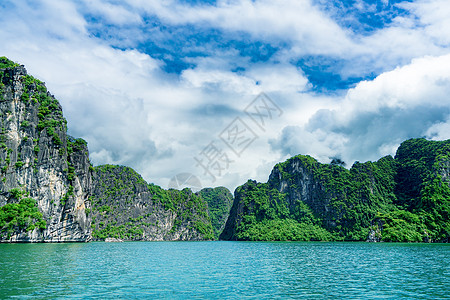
(50, 192)
(400, 199)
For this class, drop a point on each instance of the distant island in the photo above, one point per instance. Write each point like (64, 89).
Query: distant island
(50, 192)
(401, 199)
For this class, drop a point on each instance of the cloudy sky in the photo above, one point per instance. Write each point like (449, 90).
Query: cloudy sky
(225, 89)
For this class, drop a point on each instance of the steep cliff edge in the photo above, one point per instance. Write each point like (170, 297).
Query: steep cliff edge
(219, 202)
(401, 199)
(39, 162)
(49, 191)
(124, 206)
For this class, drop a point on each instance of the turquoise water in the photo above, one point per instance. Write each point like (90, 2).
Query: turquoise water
(225, 270)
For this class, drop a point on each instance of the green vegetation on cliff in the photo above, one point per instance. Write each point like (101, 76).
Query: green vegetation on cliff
(124, 206)
(37, 156)
(6, 63)
(267, 215)
(49, 111)
(20, 217)
(219, 201)
(401, 200)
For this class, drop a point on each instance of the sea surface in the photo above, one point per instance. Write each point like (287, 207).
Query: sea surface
(225, 270)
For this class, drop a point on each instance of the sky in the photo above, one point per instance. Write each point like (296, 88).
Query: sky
(224, 90)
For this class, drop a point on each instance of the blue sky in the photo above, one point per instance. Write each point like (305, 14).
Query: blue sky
(155, 85)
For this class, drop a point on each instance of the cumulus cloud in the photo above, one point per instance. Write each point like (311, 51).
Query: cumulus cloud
(121, 102)
(434, 18)
(257, 78)
(439, 130)
(423, 82)
(305, 29)
(121, 99)
(111, 13)
(290, 20)
(375, 116)
(318, 143)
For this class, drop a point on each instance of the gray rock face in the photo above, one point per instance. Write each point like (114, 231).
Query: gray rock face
(300, 183)
(37, 157)
(375, 232)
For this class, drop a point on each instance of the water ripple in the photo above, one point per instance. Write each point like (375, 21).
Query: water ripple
(225, 270)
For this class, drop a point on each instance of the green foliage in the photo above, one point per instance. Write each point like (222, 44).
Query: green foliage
(162, 196)
(423, 184)
(16, 193)
(407, 198)
(120, 190)
(205, 229)
(49, 111)
(219, 204)
(105, 209)
(281, 230)
(23, 216)
(70, 172)
(25, 97)
(402, 226)
(121, 232)
(67, 195)
(76, 145)
(51, 132)
(70, 191)
(6, 63)
(28, 81)
(64, 199)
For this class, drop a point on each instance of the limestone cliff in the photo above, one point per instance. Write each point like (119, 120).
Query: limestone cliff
(40, 161)
(219, 202)
(124, 206)
(406, 198)
(49, 192)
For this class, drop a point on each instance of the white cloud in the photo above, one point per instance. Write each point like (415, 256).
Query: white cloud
(375, 116)
(318, 143)
(292, 20)
(56, 19)
(132, 112)
(112, 13)
(279, 78)
(439, 131)
(434, 17)
(424, 31)
(258, 78)
(306, 30)
(426, 81)
(218, 79)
